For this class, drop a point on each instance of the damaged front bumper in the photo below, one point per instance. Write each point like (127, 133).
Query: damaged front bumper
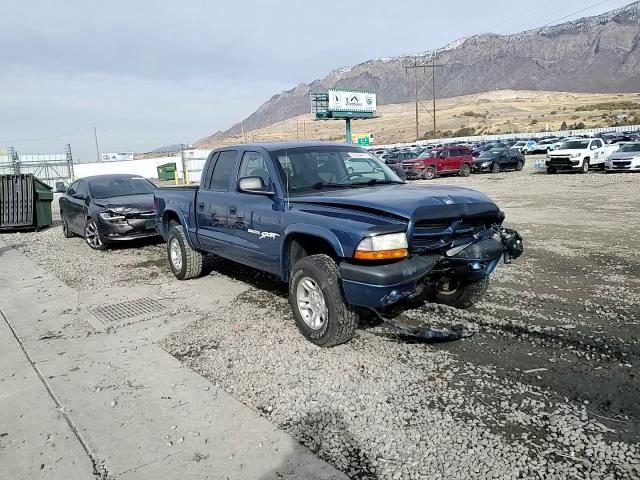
(127, 229)
(383, 285)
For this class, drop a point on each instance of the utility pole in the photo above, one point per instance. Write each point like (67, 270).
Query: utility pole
(95, 137)
(424, 68)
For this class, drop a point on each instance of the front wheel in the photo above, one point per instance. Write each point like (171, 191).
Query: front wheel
(552, 170)
(465, 170)
(519, 166)
(429, 173)
(319, 307)
(461, 293)
(495, 168)
(92, 235)
(585, 166)
(185, 262)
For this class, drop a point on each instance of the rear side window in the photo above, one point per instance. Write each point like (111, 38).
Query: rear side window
(207, 177)
(222, 171)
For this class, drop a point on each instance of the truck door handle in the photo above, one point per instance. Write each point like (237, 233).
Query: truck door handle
(232, 210)
(200, 205)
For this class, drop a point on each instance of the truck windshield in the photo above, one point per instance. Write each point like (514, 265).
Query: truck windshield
(305, 168)
(575, 145)
(115, 187)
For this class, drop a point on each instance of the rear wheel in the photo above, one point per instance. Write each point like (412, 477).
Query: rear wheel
(465, 170)
(585, 166)
(185, 262)
(429, 173)
(461, 293)
(92, 235)
(495, 168)
(519, 166)
(66, 231)
(319, 307)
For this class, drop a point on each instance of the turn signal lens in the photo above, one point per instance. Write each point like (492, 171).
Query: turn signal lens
(381, 255)
(382, 247)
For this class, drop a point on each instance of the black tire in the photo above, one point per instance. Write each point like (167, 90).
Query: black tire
(191, 260)
(465, 170)
(585, 166)
(429, 173)
(552, 170)
(65, 229)
(464, 294)
(342, 320)
(495, 168)
(92, 235)
(519, 166)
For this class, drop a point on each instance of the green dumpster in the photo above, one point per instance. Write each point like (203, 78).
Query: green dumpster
(25, 202)
(167, 171)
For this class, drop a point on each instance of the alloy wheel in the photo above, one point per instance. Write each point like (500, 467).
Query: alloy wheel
(311, 303)
(92, 235)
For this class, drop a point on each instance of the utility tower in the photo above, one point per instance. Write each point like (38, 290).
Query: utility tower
(430, 83)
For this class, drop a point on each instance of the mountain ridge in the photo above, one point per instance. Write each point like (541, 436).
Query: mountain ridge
(591, 54)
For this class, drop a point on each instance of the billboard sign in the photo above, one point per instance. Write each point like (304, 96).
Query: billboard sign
(116, 157)
(351, 101)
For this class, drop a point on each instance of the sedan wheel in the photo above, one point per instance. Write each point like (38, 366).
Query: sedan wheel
(65, 229)
(495, 168)
(92, 235)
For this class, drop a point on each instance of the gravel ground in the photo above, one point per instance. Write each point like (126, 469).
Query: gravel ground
(546, 388)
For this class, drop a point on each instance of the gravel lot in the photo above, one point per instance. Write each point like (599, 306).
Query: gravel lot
(547, 388)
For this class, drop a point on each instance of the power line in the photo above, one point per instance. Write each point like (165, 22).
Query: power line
(574, 13)
(424, 67)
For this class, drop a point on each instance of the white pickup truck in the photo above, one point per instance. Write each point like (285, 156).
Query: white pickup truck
(579, 154)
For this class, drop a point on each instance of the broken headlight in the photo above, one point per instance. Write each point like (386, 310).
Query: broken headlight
(114, 215)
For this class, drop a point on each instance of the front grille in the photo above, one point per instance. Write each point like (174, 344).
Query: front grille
(148, 214)
(428, 235)
(621, 164)
(559, 161)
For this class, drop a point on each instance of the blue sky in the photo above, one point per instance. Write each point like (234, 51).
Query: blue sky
(151, 73)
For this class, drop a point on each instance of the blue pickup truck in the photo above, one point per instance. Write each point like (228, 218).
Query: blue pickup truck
(339, 226)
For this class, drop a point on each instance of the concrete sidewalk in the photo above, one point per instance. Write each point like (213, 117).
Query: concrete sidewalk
(111, 400)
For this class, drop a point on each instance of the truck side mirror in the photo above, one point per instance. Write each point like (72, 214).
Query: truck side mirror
(253, 185)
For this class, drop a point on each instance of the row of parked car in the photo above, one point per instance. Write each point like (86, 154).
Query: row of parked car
(605, 151)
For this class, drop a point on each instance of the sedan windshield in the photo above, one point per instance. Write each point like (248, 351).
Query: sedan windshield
(630, 147)
(119, 186)
(308, 168)
(575, 145)
(490, 154)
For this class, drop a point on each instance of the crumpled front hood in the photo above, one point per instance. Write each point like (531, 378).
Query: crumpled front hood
(141, 203)
(401, 200)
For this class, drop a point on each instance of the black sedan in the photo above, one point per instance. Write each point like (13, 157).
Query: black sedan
(108, 208)
(499, 159)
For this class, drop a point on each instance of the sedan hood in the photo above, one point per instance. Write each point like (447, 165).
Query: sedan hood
(624, 155)
(401, 200)
(141, 203)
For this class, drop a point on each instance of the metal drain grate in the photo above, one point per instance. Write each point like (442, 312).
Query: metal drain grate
(131, 308)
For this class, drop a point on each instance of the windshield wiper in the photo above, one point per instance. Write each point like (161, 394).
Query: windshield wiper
(375, 181)
(321, 185)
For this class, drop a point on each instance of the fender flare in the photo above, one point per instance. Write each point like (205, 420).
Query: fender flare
(306, 229)
(183, 221)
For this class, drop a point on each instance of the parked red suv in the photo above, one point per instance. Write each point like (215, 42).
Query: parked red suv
(450, 159)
